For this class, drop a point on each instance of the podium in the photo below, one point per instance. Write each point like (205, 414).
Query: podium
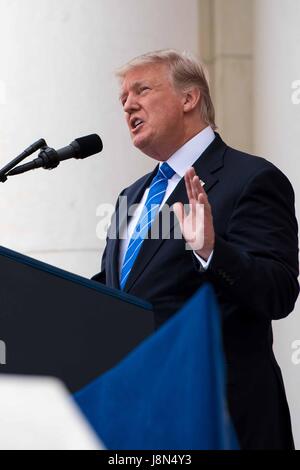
(54, 323)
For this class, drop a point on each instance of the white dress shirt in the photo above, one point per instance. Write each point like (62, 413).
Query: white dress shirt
(180, 161)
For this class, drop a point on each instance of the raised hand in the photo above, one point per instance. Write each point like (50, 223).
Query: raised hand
(196, 225)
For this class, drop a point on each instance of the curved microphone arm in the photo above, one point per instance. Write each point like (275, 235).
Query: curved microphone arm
(39, 144)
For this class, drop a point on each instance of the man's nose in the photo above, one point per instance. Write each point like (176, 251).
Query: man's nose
(131, 104)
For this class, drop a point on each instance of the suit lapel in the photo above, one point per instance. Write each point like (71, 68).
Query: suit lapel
(120, 218)
(206, 166)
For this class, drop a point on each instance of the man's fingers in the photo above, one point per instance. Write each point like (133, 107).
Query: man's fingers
(191, 175)
(179, 212)
(194, 214)
(197, 186)
(203, 199)
(191, 172)
(188, 186)
(193, 185)
(195, 191)
(194, 188)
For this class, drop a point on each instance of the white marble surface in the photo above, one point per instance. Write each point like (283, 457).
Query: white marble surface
(39, 414)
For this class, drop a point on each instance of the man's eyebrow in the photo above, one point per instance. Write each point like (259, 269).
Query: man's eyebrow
(133, 86)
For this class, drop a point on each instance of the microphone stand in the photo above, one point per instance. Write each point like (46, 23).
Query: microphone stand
(39, 144)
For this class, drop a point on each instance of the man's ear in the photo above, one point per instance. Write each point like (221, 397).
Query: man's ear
(191, 99)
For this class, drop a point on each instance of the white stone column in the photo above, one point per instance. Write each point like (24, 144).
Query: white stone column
(56, 81)
(277, 131)
(251, 48)
(226, 49)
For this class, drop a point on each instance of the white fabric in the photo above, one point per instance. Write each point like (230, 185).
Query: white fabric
(204, 263)
(39, 414)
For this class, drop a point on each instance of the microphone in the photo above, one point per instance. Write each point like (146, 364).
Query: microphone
(49, 158)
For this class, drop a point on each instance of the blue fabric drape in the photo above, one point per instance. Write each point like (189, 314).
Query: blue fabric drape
(169, 393)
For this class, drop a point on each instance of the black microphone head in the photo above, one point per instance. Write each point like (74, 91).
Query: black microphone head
(89, 145)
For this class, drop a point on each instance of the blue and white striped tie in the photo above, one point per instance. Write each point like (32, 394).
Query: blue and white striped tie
(155, 197)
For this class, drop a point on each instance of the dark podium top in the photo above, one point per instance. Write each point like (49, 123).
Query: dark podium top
(58, 324)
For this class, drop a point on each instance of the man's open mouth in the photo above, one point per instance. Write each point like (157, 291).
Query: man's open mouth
(136, 124)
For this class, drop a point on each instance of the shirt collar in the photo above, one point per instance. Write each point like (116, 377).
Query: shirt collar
(186, 155)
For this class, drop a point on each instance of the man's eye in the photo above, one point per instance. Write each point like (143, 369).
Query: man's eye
(144, 88)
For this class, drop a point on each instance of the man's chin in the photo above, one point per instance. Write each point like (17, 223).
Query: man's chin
(145, 145)
(140, 142)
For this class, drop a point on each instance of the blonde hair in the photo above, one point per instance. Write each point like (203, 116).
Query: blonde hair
(186, 71)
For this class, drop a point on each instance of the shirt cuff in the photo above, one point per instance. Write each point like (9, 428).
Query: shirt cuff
(204, 264)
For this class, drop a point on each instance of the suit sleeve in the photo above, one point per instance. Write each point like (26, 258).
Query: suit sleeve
(256, 263)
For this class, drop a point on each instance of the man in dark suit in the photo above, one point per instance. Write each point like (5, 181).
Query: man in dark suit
(244, 241)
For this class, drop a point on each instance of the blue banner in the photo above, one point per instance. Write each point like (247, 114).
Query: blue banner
(169, 393)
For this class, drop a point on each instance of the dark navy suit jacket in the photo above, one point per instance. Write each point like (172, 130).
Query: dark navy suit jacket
(254, 272)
